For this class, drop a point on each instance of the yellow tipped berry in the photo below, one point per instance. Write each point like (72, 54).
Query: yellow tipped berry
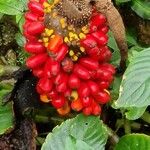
(48, 10)
(56, 1)
(107, 91)
(85, 29)
(49, 32)
(66, 40)
(45, 4)
(71, 53)
(46, 44)
(76, 37)
(52, 36)
(74, 95)
(44, 98)
(82, 49)
(45, 40)
(71, 34)
(75, 58)
(82, 35)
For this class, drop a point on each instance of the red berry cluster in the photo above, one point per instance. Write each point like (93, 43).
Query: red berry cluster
(80, 86)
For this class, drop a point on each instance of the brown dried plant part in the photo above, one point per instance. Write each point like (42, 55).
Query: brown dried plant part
(116, 25)
(77, 12)
(22, 138)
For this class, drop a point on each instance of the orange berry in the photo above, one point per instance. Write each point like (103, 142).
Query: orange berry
(64, 110)
(55, 43)
(44, 98)
(77, 105)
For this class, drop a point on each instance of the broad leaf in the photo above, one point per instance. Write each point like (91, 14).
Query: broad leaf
(142, 8)
(20, 39)
(12, 7)
(20, 21)
(113, 45)
(134, 142)
(79, 133)
(135, 86)
(6, 112)
(135, 113)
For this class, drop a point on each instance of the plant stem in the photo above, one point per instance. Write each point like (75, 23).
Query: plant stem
(146, 117)
(127, 126)
(113, 136)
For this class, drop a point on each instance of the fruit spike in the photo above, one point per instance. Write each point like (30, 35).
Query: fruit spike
(72, 76)
(77, 12)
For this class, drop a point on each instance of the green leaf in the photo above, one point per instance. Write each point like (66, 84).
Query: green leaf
(142, 8)
(79, 133)
(134, 142)
(131, 37)
(132, 52)
(135, 86)
(115, 88)
(11, 7)
(113, 45)
(135, 113)
(20, 21)
(6, 111)
(118, 2)
(20, 39)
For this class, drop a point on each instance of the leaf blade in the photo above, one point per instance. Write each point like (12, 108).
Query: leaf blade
(79, 132)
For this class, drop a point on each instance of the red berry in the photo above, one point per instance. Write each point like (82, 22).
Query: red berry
(94, 88)
(29, 37)
(73, 81)
(84, 90)
(61, 53)
(45, 84)
(36, 8)
(104, 29)
(102, 97)
(105, 54)
(35, 28)
(67, 64)
(62, 87)
(108, 67)
(67, 93)
(93, 52)
(87, 111)
(86, 101)
(61, 77)
(103, 85)
(93, 74)
(36, 60)
(54, 68)
(30, 16)
(81, 72)
(42, 1)
(89, 42)
(106, 75)
(53, 94)
(100, 37)
(35, 47)
(26, 24)
(47, 68)
(98, 20)
(58, 102)
(89, 63)
(38, 72)
(96, 109)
